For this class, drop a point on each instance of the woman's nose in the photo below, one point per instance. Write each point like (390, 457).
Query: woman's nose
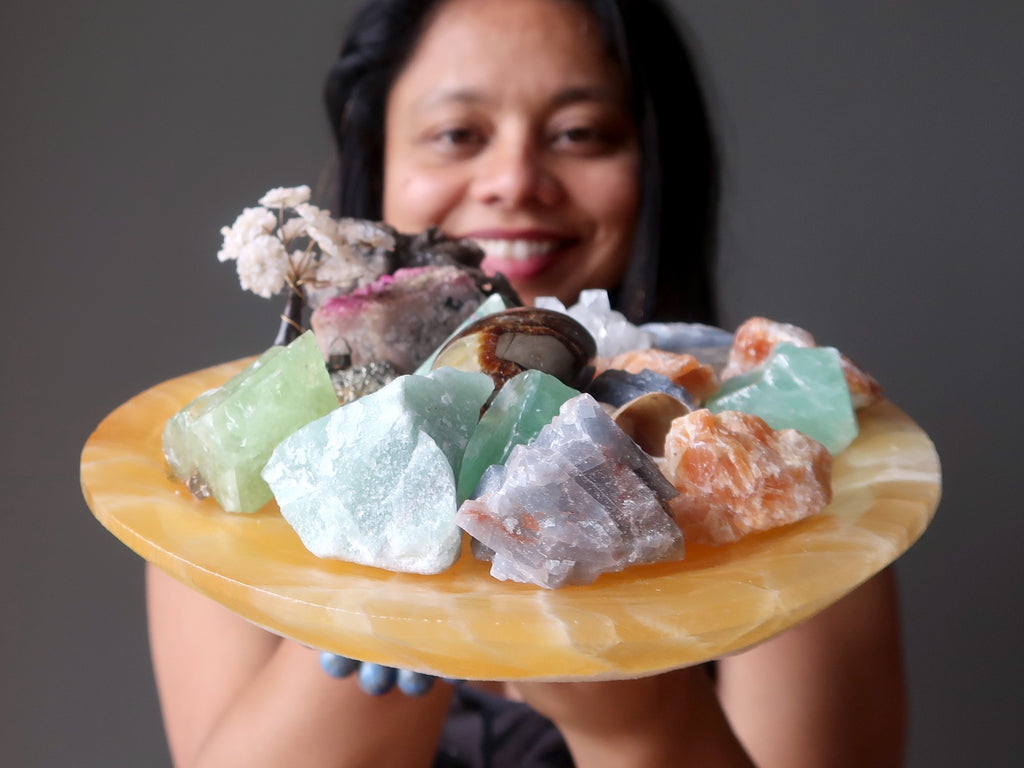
(515, 174)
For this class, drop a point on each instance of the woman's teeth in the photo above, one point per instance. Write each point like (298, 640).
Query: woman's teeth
(516, 250)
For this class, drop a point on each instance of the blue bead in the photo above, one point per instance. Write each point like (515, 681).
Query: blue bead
(375, 679)
(414, 683)
(337, 666)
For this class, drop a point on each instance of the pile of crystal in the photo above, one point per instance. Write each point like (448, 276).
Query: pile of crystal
(579, 500)
(374, 482)
(219, 443)
(736, 475)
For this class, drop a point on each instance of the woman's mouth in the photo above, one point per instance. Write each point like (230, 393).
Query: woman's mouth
(518, 258)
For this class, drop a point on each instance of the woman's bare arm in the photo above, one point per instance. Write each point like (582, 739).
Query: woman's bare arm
(233, 694)
(829, 692)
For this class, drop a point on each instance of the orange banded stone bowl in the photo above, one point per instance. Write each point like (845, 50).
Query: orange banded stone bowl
(465, 624)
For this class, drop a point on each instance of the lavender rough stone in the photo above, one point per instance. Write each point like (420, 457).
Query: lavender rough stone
(580, 500)
(374, 482)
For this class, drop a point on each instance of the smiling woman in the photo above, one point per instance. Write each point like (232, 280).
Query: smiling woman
(535, 158)
(569, 139)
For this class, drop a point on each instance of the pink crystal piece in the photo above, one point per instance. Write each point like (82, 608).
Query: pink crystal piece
(736, 475)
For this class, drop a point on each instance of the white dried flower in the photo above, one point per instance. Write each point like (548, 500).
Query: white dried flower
(286, 197)
(323, 229)
(366, 233)
(338, 271)
(293, 228)
(263, 266)
(250, 224)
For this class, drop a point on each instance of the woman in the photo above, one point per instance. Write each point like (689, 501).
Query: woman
(568, 139)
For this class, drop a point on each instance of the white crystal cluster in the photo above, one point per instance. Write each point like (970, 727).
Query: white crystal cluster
(611, 330)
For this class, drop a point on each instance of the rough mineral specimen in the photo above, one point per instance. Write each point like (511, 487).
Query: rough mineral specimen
(492, 304)
(681, 369)
(374, 482)
(517, 414)
(219, 442)
(758, 337)
(707, 343)
(610, 329)
(796, 388)
(735, 475)
(400, 318)
(580, 500)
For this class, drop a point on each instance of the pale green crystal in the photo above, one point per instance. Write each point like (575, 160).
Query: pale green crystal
(373, 482)
(220, 441)
(797, 388)
(519, 411)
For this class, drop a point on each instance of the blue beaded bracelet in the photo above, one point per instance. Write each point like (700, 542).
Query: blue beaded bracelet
(376, 679)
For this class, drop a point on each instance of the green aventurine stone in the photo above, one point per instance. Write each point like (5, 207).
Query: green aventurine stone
(374, 481)
(797, 388)
(219, 443)
(519, 411)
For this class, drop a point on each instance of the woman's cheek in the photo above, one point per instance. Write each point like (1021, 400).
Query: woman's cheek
(415, 201)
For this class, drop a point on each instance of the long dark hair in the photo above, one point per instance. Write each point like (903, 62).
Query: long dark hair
(671, 274)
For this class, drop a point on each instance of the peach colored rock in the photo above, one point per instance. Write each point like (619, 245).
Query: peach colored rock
(757, 337)
(683, 370)
(736, 475)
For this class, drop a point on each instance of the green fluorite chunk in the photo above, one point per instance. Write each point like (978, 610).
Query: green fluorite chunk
(522, 407)
(374, 481)
(797, 388)
(221, 440)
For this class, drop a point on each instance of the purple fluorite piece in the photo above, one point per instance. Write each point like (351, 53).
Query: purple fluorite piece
(580, 500)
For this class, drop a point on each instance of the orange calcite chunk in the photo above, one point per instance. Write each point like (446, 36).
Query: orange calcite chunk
(683, 370)
(756, 339)
(736, 475)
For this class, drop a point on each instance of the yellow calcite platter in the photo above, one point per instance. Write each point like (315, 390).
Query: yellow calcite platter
(465, 624)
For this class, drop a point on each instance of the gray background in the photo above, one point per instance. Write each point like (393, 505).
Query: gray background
(874, 182)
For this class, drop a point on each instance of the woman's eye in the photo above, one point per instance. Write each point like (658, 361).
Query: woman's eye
(457, 139)
(587, 139)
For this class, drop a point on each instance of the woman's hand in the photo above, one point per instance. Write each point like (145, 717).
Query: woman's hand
(667, 720)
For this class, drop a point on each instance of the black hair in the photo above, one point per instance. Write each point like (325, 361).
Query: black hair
(671, 274)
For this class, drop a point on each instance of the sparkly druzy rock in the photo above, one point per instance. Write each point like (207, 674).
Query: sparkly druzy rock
(219, 443)
(580, 500)
(517, 414)
(374, 482)
(400, 318)
(735, 475)
(796, 388)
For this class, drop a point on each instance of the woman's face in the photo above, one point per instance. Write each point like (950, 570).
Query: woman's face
(509, 126)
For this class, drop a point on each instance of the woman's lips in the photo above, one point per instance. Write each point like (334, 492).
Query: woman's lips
(519, 255)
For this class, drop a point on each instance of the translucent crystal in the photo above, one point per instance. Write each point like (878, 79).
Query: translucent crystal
(735, 475)
(682, 369)
(374, 482)
(798, 388)
(707, 343)
(610, 328)
(220, 441)
(517, 414)
(580, 500)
